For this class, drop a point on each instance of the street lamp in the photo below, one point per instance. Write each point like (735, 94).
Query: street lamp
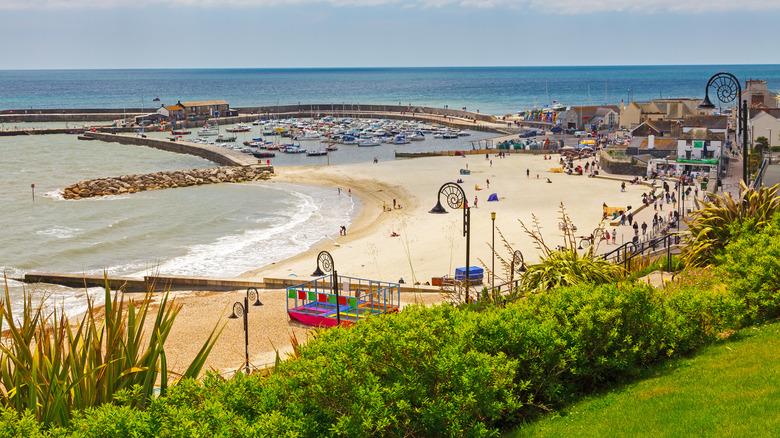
(517, 258)
(493, 246)
(243, 309)
(456, 198)
(728, 90)
(325, 263)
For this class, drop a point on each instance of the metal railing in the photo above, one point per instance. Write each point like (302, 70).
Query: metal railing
(623, 254)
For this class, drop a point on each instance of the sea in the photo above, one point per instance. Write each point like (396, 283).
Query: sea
(227, 229)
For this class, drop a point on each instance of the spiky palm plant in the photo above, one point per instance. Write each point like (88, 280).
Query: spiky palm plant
(711, 227)
(564, 266)
(52, 367)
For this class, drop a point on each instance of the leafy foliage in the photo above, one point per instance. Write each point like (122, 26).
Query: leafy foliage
(712, 227)
(51, 368)
(751, 267)
(433, 371)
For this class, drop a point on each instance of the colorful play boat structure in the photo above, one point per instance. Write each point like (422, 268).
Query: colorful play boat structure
(326, 303)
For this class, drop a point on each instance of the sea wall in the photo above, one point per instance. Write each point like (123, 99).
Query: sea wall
(219, 155)
(164, 180)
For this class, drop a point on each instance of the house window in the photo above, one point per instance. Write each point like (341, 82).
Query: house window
(687, 155)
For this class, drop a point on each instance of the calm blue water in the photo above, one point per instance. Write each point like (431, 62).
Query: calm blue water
(492, 90)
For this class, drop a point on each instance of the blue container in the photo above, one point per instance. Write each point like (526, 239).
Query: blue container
(475, 273)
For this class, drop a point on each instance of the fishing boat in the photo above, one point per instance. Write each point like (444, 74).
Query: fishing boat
(316, 153)
(208, 130)
(308, 135)
(258, 154)
(181, 132)
(241, 127)
(332, 147)
(222, 139)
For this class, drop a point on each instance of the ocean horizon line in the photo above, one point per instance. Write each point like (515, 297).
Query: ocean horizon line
(370, 68)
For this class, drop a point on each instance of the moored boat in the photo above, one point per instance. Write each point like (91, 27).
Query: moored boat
(208, 130)
(368, 142)
(241, 127)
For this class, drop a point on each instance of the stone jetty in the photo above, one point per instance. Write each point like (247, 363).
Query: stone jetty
(165, 180)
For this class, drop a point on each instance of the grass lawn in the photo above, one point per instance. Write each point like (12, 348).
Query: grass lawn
(731, 390)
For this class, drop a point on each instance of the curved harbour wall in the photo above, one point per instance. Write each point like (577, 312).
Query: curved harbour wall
(164, 180)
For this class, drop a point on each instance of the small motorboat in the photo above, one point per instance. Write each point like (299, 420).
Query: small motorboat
(222, 139)
(368, 142)
(316, 153)
(241, 127)
(332, 147)
(208, 130)
(258, 154)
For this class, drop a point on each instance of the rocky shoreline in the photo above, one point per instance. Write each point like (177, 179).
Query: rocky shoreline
(164, 180)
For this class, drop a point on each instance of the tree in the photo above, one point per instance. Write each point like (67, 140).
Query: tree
(762, 145)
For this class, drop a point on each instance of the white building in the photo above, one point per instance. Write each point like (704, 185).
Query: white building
(699, 150)
(766, 125)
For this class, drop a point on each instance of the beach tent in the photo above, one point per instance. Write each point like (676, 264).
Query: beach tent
(493, 197)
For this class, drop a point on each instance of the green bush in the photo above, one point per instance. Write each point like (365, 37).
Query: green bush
(751, 267)
(438, 371)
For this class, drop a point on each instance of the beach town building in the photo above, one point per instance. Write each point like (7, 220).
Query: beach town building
(205, 108)
(765, 123)
(172, 112)
(757, 94)
(716, 123)
(589, 118)
(634, 114)
(658, 128)
(643, 148)
(699, 151)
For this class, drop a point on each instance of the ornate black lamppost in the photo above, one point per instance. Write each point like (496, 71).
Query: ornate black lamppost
(243, 309)
(728, 90)
(517, 259)
(456, 198)
(493, 246)
(325, 265)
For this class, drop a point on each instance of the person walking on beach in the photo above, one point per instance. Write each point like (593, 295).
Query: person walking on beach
(475, 202)
(393, 203)
(487, 183)
(528, 173)
(614, 236)
(644, 228)
(350, 193)
(606, 236)
(623, 186)
(630, 218)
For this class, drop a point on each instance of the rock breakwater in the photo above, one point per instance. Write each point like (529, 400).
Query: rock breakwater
(165, 180)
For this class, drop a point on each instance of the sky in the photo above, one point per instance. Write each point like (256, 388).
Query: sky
(73, 34)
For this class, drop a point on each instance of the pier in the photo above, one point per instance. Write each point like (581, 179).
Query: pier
(219, 155)
(162, 283)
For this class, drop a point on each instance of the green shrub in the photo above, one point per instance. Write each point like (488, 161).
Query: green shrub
(751, 268)
(438, 371)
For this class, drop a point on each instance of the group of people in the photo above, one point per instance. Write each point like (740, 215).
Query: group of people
(396, 206)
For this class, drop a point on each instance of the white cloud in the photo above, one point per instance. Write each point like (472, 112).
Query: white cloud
(536, 6)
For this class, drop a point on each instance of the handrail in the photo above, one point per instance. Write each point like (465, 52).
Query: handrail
(623, 256)
(758, 180)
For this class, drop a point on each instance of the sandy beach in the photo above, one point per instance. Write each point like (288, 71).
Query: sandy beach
(427, 245)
